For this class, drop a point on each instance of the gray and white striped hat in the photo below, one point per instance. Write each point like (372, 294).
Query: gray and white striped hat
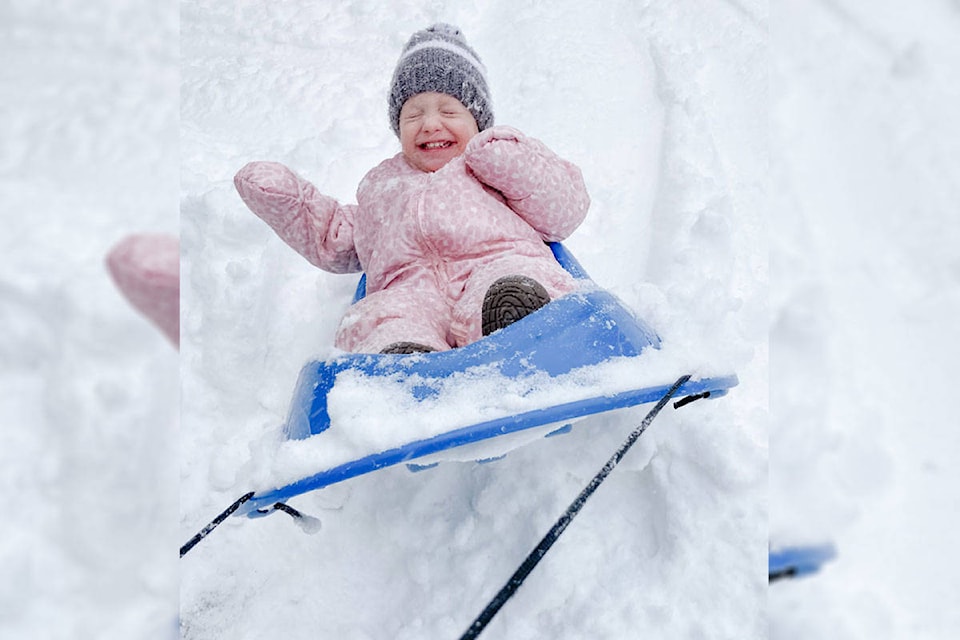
(439, 59)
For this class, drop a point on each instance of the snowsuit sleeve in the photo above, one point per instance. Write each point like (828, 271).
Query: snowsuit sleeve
(318, 227)
(545, 190)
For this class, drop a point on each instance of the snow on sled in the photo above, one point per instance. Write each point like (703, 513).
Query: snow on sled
(577, 356)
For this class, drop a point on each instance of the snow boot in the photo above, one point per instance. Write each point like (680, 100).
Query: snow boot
(403, 348)
(509, 299)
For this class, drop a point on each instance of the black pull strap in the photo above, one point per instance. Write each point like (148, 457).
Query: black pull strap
(782, 573)
(309, 524)
(214, 524)
(682, 402)
(537, 554)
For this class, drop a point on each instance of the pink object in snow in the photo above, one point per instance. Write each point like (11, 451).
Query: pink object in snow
(146, 269)
(431, 243)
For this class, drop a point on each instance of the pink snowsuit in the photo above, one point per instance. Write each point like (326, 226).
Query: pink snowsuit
(431, 244)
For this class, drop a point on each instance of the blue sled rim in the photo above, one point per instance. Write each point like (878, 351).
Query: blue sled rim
(467, 435)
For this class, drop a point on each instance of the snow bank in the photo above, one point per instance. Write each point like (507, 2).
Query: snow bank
(88, 390)
(863, 338)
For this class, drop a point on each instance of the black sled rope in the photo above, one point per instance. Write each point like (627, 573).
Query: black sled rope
(780, 574)
(214, 524)
(537, 554)
(280, 506)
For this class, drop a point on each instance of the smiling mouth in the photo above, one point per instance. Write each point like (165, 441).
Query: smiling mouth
(441, 144)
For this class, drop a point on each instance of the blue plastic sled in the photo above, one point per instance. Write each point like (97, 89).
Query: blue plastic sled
(577, 330)
(793, 562)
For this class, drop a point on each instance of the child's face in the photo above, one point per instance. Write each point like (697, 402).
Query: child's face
(434, 129)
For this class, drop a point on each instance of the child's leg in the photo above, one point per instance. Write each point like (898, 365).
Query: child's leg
(467, 322)
(395, 315)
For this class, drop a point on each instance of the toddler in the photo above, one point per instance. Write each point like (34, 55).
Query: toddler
(451, 231)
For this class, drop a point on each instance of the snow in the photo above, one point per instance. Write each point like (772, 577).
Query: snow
(773, 190)
(864, 340)
(88, 390)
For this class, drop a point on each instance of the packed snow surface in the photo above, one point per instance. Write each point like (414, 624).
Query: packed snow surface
(716, 138)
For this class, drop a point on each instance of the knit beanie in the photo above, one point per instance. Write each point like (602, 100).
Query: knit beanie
(438, 59)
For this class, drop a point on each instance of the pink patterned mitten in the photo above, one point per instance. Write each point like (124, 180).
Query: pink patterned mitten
(146, 269)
